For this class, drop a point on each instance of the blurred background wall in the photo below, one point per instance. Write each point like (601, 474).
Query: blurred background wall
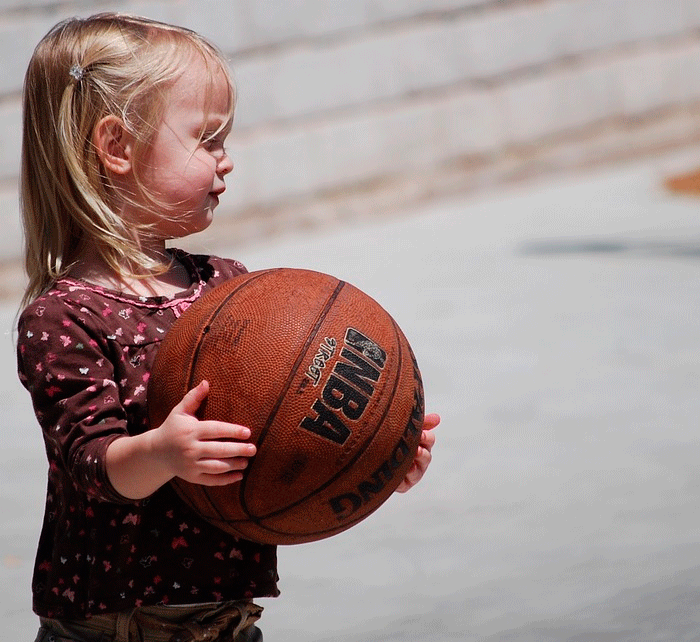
(350, 109)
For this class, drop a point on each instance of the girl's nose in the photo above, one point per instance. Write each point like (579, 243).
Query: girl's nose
(225, 165)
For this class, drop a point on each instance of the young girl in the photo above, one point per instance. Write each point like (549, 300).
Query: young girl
(124, 127)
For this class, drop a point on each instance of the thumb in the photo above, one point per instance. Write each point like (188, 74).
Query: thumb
(193, 399)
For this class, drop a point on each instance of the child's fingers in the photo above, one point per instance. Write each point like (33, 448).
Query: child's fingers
(221, 479)
(193, 399)
(420, 465)
(225, 450)
(223, 466)
(417, 470)
(221, 462)
(427, 439)
(210, 430)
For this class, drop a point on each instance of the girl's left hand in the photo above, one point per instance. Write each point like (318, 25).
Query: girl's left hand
(423, 456)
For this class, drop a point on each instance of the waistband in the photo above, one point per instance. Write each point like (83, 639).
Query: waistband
(225, 622)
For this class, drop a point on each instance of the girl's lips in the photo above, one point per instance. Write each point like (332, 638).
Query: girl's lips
(215, 196)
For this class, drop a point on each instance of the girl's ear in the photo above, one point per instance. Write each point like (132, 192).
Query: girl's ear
(113, 144)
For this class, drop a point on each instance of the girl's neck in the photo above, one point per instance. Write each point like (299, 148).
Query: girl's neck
(175, 279)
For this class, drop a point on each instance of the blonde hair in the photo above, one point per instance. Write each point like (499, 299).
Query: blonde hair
(80, 72)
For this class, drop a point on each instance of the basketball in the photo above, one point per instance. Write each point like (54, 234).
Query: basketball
(325, 380)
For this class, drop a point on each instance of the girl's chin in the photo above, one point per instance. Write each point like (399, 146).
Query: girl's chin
(193, 226)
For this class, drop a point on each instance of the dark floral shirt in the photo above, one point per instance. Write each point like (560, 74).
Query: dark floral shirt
(85, 354)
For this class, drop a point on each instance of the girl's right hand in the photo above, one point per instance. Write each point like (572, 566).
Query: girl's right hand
(208, 452)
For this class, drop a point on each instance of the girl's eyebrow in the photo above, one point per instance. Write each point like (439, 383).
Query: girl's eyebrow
(217, 123)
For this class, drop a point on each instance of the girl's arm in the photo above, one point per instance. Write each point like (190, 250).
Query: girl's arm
(211, 453)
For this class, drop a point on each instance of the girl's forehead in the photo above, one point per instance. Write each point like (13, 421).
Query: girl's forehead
(202, 85)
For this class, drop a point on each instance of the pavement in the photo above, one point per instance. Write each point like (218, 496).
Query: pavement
(555, 325)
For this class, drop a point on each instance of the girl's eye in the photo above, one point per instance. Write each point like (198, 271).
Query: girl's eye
(213, 141)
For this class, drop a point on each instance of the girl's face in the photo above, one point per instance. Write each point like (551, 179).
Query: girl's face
(186, 163)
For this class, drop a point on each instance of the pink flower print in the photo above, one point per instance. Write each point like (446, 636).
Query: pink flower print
(146, 377)
(66, 323)
(107, 565)
(40, 311)
(141, 327)
(66, 341)
(139, 390)
(44, 336)
(69, 594)
(125, 313)
(132, 519)
(109, 399)
(106, 311)
(52, 390)
(179, 542)
(138, 338)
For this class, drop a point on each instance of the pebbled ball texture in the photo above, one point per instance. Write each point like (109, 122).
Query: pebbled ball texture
(328, 385)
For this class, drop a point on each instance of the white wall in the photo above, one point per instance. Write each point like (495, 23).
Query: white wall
(350, 108)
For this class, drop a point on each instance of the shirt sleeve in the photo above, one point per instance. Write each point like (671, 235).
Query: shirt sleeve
(65, 365)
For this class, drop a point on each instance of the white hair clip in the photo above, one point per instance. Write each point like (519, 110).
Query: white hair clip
(77, 73)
